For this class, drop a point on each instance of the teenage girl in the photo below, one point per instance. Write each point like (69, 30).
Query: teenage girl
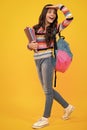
(45, 32)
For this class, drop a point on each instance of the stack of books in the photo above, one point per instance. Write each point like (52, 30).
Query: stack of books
(30, 33)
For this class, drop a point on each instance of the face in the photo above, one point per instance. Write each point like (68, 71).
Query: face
(50, 16)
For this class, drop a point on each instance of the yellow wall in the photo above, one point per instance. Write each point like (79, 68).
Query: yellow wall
(21, 96)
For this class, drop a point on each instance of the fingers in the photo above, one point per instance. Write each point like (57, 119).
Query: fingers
(58, 6)
(52, 7)
(33, 41)
(35, 46)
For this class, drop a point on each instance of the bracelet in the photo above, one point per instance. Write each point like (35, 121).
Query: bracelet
(60, 6)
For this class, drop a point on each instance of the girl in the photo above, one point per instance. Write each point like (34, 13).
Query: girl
(45, 32)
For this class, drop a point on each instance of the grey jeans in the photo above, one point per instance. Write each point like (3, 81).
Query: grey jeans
(45, 68)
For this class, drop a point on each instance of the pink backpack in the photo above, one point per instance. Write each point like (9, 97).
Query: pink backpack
(63, 56)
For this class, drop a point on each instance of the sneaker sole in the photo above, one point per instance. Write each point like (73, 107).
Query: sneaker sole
(36, 127)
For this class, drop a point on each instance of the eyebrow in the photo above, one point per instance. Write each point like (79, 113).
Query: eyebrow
(52, 9)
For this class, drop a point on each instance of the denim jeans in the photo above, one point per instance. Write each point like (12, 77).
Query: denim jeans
(45, 68)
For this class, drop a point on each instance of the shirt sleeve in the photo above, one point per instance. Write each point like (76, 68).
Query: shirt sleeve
(68, 17)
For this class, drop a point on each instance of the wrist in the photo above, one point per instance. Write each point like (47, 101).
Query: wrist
(60, 6)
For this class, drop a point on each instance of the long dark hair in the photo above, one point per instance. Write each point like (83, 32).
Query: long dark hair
(50, 30)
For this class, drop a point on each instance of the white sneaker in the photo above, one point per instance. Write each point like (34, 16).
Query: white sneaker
(67, 112)
(41, 123)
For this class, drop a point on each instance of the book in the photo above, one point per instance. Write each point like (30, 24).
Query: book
(30, 33)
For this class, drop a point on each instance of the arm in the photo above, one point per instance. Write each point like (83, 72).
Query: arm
(67, 15)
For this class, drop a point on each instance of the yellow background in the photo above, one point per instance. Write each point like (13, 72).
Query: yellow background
(21, 95)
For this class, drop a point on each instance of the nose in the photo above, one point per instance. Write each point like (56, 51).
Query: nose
(52, 14)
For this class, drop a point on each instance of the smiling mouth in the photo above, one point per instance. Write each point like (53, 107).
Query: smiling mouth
(51, 18)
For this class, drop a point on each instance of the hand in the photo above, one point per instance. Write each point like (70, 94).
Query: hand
(33, 45)
(55, 6)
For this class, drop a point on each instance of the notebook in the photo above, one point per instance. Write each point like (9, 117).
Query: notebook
(30, 33)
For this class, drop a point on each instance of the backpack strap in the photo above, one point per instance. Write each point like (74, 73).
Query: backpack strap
(55, 48)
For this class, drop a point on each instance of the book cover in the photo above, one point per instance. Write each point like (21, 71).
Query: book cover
(30, 33)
